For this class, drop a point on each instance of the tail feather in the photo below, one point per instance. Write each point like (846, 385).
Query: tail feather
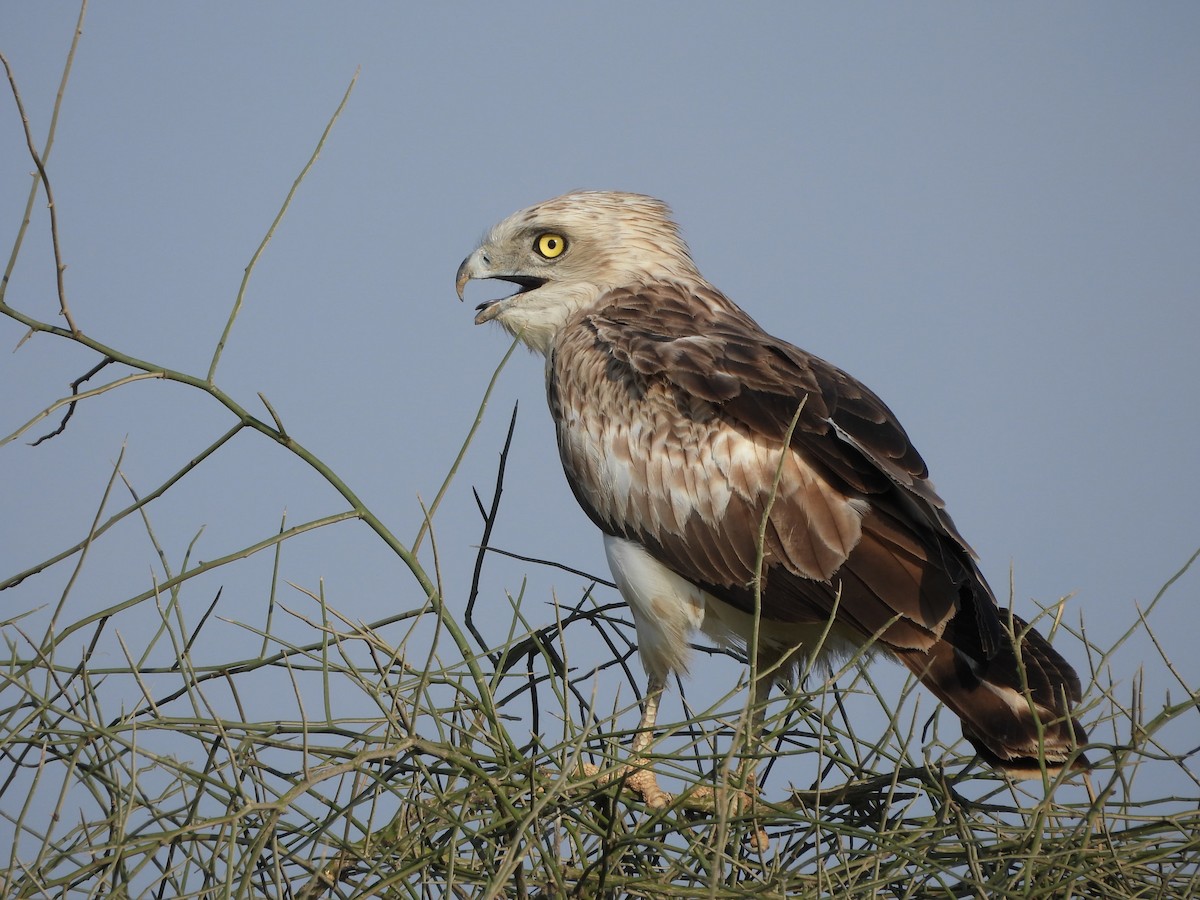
(1015, 712)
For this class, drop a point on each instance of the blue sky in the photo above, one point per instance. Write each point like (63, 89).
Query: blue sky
(988, 213)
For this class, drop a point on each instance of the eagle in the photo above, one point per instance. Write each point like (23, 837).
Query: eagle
(751, 491)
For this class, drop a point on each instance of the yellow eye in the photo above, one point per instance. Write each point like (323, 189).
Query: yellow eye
(550, 245)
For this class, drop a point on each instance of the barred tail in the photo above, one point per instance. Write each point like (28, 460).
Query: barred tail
(1016, 724)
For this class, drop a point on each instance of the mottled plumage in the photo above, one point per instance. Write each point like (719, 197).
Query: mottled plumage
(676, 414)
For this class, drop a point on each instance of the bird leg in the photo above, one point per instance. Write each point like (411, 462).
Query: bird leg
(645, 729)
(640, 777)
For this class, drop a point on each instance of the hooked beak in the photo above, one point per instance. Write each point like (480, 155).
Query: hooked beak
(466, 271)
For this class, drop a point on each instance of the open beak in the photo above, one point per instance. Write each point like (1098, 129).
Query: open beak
(478, 266)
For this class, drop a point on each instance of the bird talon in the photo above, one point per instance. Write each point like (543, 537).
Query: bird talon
(644, 783)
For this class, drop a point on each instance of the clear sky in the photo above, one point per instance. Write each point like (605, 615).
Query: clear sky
(988, 213)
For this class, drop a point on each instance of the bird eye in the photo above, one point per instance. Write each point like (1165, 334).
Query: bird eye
(550, 245)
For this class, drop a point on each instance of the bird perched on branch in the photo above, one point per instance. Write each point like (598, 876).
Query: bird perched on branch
(734, 475)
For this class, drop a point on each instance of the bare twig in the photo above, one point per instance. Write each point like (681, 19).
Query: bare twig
(59, 266)
(489, 521)
(14, 580)
(287, 201)
(462, 450)
(74, 392)
(549, 564)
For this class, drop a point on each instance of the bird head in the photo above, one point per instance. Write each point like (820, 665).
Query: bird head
(565, 253)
